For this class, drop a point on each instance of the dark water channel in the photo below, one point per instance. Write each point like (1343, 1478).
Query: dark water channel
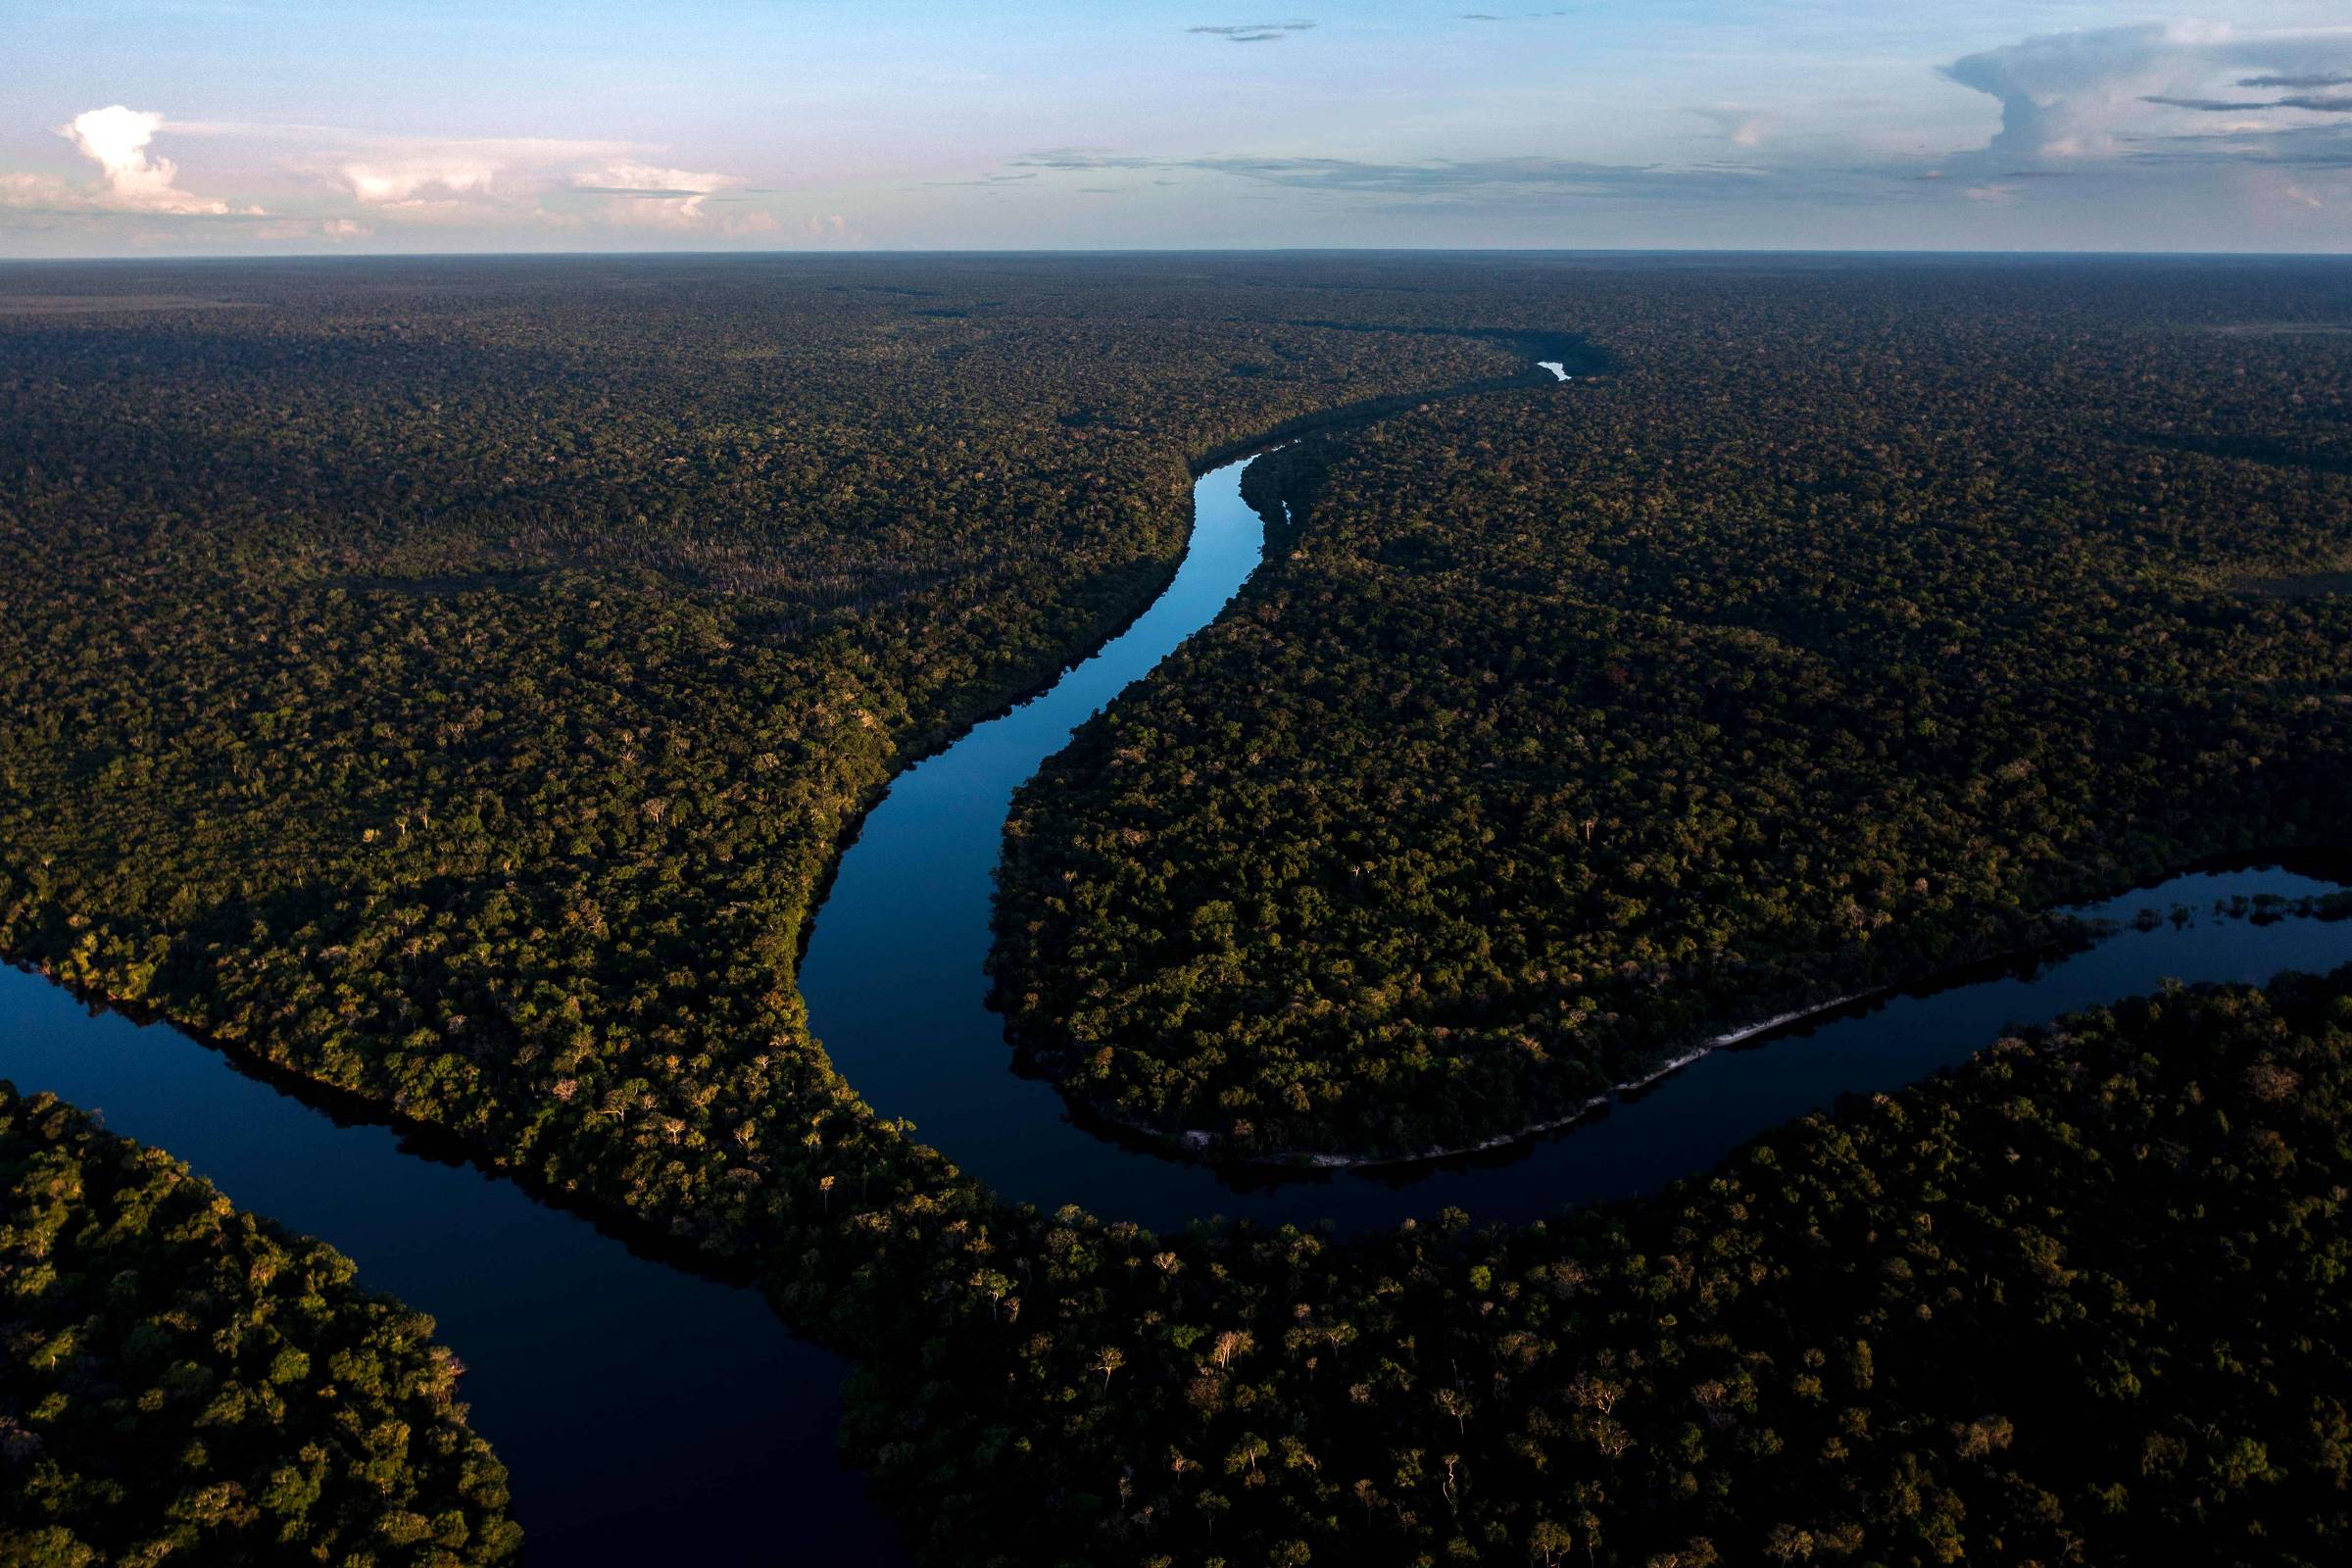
(644, 1415)
(895, 983)
(648, 1415)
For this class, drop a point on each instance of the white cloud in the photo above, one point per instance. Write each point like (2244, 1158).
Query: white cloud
(337, 229)
(380, 182)
(115, 138)
(40, 191)
(650, 196)
(2108, 92)
(423, 173)
(1741, 127)
(132, 179)
(452, 181)
(653, 179)
(2064, 95)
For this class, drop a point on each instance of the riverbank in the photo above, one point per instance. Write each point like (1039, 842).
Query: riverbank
(1200, 1143)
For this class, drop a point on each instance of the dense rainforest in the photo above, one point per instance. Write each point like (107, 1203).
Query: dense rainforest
(184, 1381)
(1820, 645)
(2078, 1301)
(450, 682)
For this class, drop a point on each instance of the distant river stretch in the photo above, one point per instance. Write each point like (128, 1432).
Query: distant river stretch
(648, 1415)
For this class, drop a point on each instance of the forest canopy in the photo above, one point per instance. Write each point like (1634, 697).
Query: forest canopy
(450, 681)
(2078, 1301)
(1825, 642)
(185, 1381)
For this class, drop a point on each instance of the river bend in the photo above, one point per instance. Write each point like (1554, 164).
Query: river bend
(894, 979)
(646, 1414)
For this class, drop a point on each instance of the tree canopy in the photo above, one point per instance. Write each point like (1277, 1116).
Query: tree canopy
(1827, 640)
(186, 1382)
(451, 682)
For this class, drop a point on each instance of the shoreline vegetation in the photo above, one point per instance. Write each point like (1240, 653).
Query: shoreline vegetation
(1197, 1141)
(1200, 1143)
(184, 1379)
(1556, 729)
(1328, 421)
(531, 865)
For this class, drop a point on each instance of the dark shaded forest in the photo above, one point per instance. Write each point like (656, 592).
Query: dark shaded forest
(1820, 645)
(2079, 1302)
(185, 1381)
(450, 682)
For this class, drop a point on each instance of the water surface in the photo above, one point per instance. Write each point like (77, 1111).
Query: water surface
(895, 987)
(648, 1415)
(644, 1415)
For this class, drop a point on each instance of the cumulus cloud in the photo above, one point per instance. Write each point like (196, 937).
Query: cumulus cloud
(2063, 95)
(338, 229)
(420, 177)
(2087, 95)
(454, 181)
(650, 196)
(360, 185)
(430, 177)
(832, 231)
(40, 192)
(116, 139)
(2228, 133)
(132, 179)
(2220, 131)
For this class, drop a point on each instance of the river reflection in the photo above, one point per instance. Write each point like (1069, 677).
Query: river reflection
(648, 1415)
(895, 987)
(643, 1414)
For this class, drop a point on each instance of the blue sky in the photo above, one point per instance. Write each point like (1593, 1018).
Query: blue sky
(252, 127)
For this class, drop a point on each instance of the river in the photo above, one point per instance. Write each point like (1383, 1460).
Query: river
(646, 1414)
(896, 983)
(643, 1414)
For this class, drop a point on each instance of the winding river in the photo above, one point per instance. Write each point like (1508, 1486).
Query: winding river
(647, 1414)
(896, 983)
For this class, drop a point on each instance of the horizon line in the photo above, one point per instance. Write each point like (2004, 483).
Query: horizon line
(1979, 252)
